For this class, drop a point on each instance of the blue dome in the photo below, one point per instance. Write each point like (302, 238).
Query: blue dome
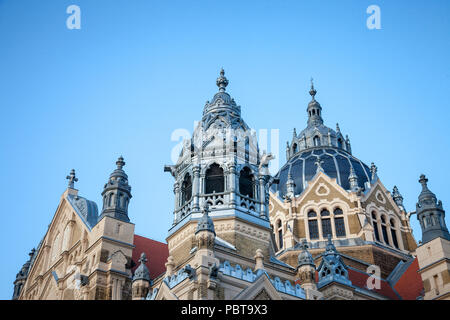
(335, 162)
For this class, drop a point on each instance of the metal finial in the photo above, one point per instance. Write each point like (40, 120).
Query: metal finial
(72, 179)
(313, 91)
(423, 181)
(222, 81)
(319, 163)
(120, 163)
(143, 258)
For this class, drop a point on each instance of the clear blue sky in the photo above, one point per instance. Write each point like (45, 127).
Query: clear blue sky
(138, 70)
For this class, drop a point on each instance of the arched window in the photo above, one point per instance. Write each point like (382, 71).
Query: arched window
(247, 150)
(339, 143)
(384, 229)
(316, 141)
(246, 183)
(110, 201)
(326, 223)
(280, 234)
(394, 233)
(339, 222)
(375, 226)
(312, 225)
(214, 179)
(294, 148)
(186, 189)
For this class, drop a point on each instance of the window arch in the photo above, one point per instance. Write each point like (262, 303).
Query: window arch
(280, 234)
(384, 229)
(394, 233)
(313, 225)
(339, 222)
(214, 181)
(375, 226)
(294, 148)
(326, 223)
(247, 150)
(246, 182)
(186, 189)
(111, 199)
(339, 143)
(316, 141)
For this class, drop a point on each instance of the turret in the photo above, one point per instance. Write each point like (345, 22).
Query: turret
(314, 109)
(117, 194)
(141, 279)
(306, 269)
(430, 214)
(22, 275)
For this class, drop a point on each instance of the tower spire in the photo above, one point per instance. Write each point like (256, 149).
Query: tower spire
(314, 109)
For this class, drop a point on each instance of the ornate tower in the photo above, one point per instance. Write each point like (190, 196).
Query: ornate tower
(430, 214)
(314, 109)
(117, 194)
(220, 166)
(433, 253)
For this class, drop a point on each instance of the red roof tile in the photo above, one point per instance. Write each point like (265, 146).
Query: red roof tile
(157, 253)
(410, 285)
(359, 279)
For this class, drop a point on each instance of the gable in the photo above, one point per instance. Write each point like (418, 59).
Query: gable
(261, 289)
(323, 189)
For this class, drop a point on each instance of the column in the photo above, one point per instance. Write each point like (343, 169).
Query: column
(262, 192)
(196, 187)
(232, 183)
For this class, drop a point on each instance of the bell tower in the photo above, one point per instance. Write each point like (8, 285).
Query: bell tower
(117, 194)
(220, 167)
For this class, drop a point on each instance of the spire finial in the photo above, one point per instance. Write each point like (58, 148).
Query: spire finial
(143, 258)
(319, 163)
(120, 163)
(423, 181)
(373, 170)
(313, 91)
(222, 81)
(72, 179)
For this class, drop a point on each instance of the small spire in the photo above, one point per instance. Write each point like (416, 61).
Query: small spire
(313, 91)
(120, 163)
(72, 179)
(353, 179)
(205, 222)
(304, 257)
(337, 128)
(142, 272)
(330, 248)
(373, 170)
(397, 197)
(295, 133)
(222, 81)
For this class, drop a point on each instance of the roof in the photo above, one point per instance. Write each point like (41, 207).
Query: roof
(336, 163)
(359, 279)
(410, 285)
(156, 252)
